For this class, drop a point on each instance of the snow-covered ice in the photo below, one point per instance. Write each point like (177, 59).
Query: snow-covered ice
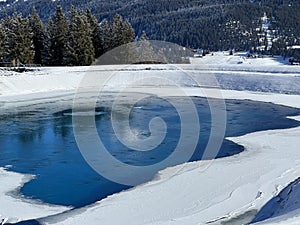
(193, 193)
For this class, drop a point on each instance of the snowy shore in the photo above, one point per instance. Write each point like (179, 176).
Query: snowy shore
(229, 188)
(16, 207)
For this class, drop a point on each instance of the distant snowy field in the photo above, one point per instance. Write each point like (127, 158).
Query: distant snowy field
(225, 191)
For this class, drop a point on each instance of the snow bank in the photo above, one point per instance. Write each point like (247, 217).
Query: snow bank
(17, 208)
(43, 80)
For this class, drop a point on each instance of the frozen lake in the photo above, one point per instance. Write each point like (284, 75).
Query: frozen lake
(40, 141)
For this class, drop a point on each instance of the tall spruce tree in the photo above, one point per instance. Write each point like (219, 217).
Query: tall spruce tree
(2, 39)
(86, 47)
(58, 34)
(117, 31)
(128, 33)
(79, 47)
(19, 40)
(95, 32)
(145, 51)
(5, 28)
(121, 32)
(39, 37)
(70, 57)
(105, 37)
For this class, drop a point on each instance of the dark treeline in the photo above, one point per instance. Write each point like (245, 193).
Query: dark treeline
(74, 38)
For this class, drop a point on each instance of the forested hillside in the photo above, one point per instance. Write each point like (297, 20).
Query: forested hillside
(208, 24)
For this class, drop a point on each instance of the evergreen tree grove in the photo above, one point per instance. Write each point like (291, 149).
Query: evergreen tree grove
(73, 39)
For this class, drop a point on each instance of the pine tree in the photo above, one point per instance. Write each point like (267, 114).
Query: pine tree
(121, 31)
(95, 32)
(117, 31)
(5, 22)
(86, 46)
(70, 57)
(2, 40)
(79, 49)
(105, 35)
(58, 33)
(128, 33)
(39, 37)
(145, 51)
(19, 40)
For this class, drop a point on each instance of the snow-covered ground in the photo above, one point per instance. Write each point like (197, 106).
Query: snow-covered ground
(227, 190)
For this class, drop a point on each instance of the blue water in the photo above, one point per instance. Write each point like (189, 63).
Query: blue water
(41, 141)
